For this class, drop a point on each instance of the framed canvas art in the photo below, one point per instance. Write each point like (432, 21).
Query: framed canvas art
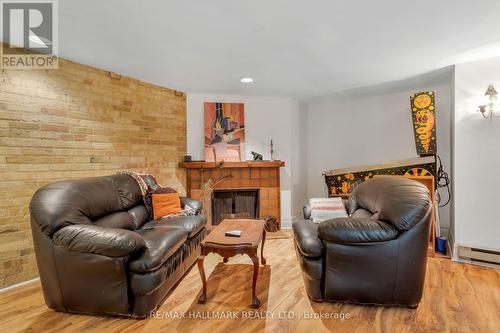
(224, 132)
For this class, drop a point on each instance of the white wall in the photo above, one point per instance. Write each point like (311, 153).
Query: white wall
(476, 158)
(299, 159)
(362, 126)
(371, 125)
(266, 118)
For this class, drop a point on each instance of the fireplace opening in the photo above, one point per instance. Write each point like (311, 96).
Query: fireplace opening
(233, 204)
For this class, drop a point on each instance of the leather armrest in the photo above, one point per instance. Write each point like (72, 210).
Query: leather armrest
(197, 205)
(99, 240)
(306, 238)
(307, 211)
(356, 230)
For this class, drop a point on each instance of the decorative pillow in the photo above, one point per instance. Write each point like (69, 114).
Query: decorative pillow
(323, 209)
(148, 197)
(165, 204)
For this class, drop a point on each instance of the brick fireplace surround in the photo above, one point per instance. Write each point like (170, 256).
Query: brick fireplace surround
(261, 175)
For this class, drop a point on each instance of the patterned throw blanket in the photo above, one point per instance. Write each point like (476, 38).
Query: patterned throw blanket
(149, 185)
(323, 209)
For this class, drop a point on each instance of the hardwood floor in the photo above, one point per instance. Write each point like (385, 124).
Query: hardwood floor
(457, 298)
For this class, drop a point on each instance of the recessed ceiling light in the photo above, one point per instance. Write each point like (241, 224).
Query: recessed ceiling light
(246, 80)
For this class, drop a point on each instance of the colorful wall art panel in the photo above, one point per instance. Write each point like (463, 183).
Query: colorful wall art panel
(341, 182)
(224, 132)
(424, 124)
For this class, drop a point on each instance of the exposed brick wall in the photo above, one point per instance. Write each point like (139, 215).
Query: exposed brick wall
(76, 122)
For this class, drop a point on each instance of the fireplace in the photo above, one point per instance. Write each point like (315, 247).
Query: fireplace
(261, 177)
(234, 203)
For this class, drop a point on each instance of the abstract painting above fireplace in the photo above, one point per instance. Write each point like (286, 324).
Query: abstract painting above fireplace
(224, 132)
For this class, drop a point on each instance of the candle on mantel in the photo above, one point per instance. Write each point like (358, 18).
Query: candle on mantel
(272, 151)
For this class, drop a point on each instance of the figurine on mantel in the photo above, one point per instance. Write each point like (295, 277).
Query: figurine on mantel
(271, 150)
(257, 156)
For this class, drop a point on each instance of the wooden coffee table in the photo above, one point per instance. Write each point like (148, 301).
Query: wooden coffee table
(252, 233)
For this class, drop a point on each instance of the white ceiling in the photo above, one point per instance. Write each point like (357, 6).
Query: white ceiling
(302, 49)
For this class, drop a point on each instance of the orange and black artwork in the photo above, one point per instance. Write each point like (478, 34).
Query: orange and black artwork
(342, 182)
(423, 110)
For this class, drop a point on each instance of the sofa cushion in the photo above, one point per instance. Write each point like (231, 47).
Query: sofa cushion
(139, 215)
(127, 190)
(109, 242)
(119, 220)
(397, 200)
(161, 244)
(82, 201)
(191, 224)
(362, 213)
(356, 230)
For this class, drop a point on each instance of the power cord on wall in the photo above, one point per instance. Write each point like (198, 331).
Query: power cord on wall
(442, 180)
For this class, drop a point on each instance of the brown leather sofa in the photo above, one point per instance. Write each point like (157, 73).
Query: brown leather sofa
(376, 256)
(98, 252)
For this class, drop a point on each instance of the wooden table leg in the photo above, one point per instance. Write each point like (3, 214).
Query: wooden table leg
(203, 297)
(262, 259)
(255, 300)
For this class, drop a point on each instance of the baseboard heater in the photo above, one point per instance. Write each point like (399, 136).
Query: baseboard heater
(480, 256)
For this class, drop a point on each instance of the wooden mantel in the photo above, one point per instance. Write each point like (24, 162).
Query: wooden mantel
(261, 175)
(245, 164)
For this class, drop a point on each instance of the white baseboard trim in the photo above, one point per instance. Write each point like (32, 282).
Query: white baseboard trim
(470, 262)
(3, 290)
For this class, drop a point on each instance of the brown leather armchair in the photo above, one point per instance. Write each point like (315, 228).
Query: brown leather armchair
(378, 255)
(98, 252)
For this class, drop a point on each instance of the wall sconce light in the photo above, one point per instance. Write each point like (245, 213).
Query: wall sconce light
(488, 110)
